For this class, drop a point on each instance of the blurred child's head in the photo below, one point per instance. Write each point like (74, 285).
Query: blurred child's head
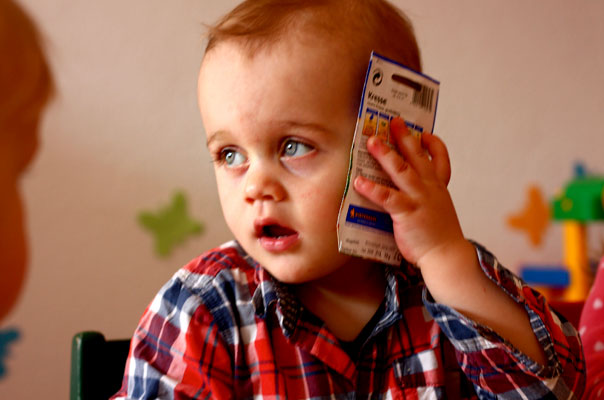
(25, 80)
(25, 87)
(279, 89)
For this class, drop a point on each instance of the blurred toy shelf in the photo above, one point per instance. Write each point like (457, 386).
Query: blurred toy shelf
(580, 203)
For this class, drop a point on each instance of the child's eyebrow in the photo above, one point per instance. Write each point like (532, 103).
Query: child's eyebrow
(303, 126)
(223, 135)
(218, 135)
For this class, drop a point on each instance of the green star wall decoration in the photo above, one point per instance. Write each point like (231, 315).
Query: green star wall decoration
(170, 225)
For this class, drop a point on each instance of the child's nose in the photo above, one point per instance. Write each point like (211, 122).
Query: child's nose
(262, 184)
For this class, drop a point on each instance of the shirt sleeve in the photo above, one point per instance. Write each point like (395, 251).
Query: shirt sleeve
(495, 366)
(176, 351)
(591, 328)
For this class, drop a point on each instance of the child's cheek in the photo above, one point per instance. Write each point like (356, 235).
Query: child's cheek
(226, 178)
(323, 166)
(228, 185)
(323, 198)
(301, 166)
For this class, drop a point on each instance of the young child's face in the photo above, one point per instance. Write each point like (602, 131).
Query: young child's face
(279, 126)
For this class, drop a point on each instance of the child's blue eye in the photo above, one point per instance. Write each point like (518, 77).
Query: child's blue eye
(232, 158)
(294, 148)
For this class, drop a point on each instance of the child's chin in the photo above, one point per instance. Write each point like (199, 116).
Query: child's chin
(289, 276)
(288, 273)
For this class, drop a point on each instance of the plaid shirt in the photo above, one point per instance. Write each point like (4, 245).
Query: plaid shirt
(222, 328)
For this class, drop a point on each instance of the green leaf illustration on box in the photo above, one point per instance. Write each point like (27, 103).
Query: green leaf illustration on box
(170, 225)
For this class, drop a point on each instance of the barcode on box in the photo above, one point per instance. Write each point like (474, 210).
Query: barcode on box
(423, 97)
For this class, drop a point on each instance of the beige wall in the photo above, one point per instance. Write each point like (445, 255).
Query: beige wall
(521, 100)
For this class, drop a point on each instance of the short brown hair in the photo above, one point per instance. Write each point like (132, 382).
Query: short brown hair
(362, 25)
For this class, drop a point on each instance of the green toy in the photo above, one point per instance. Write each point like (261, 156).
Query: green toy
(581, 200)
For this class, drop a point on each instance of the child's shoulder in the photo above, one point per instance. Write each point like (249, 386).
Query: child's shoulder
(227, 265)
(215, 288)
(228, 256)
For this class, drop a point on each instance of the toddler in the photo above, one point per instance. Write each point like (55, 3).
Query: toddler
(26, 86)
(279, 312)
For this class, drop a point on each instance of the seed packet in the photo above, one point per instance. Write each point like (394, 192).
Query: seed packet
(391, 90)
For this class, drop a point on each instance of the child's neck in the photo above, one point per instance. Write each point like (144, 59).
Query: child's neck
(347, 298)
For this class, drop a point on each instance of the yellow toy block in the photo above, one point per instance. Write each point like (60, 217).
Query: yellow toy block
(575, 258)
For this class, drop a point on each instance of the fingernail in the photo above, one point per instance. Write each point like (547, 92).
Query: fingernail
(399, 126)
(397, 120)
(375, 141)
(360, 182)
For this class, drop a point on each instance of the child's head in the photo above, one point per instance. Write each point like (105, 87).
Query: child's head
(278, 91)
(357, 27)
(26, 86)
(26, 83)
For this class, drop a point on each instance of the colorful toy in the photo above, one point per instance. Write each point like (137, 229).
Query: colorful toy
(580, 203)
(554, 276)
(550, 280)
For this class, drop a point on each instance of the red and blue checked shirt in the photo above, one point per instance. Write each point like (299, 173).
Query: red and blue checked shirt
(223, 328)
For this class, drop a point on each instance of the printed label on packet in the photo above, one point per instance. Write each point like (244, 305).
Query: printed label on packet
(391, 90)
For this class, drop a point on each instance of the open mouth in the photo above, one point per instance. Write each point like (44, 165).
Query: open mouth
(274, 237)
(276, 231)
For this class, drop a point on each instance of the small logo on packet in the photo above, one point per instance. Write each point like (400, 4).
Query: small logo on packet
(378, 76)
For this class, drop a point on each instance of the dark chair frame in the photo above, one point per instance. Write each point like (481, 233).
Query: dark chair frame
(97, 365)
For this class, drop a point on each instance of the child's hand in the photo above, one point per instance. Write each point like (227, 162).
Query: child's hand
(428, 234)
(426, 228)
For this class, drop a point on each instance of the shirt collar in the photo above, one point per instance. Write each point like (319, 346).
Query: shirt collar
(271, 294)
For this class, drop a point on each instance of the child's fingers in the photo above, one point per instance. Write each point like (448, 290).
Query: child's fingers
(440, 157)
(392, 200)
(410, 147)
(398, 169)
